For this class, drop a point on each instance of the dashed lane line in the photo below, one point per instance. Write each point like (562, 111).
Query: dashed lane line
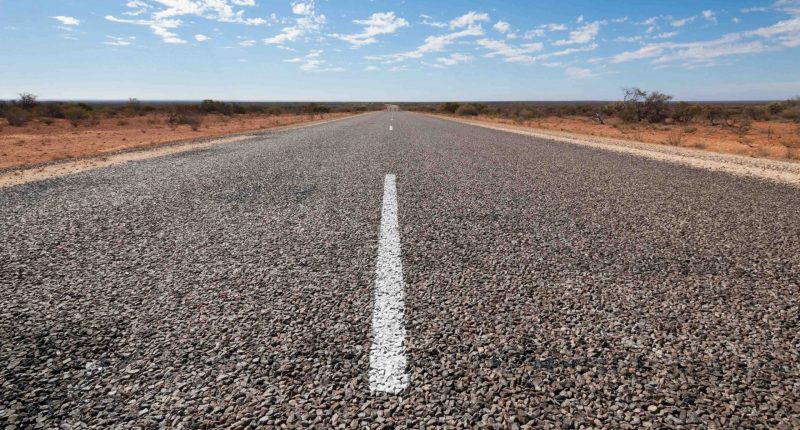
(387, 357)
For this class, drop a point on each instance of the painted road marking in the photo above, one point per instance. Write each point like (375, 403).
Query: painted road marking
(391, 128)
(387, 357)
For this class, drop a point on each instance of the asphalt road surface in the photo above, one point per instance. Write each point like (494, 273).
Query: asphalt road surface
(527, 283)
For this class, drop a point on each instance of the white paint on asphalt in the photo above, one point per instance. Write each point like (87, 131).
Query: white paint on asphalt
(387, 357)
(391, 128)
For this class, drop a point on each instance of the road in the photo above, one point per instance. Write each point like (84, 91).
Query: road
(532, 283)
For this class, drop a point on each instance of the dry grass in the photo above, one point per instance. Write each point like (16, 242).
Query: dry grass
(38, 141)
(767, 139)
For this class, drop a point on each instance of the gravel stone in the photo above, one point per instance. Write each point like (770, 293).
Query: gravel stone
(548, 285)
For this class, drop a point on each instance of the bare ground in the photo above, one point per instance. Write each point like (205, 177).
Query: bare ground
(38, 142)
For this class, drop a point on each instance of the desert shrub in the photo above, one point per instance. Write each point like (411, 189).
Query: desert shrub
(133, 107)
(122, 123)
(713, 114)
(185, 117)
(792, 114)
(314, 108)
(16, 116)
(48, 121)
(685, 112)
(26, 101)
(449, 107)
(213, 106)
(53, 110)
(75, 113)
(467, 110)
(656, 107)
(632, 107)
(526, 114)
(757, 113)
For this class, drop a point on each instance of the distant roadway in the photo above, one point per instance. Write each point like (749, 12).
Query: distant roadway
(398, 270)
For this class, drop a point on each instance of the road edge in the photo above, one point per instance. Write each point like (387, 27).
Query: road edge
(35, 173)
(781, 172)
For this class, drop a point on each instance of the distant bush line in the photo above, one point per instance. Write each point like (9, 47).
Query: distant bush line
(636, 106)
(27, 107)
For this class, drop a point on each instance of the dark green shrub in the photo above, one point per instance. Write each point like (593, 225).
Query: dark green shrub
(26, 101)
(75, 114)
(792, 114)
(185, 117)
(449, 107)
(16, 117)
(466, 110)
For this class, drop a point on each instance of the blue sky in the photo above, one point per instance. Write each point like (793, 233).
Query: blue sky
(384, 50)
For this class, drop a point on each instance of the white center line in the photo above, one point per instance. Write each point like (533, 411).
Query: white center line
(391, 128)
(387, 357)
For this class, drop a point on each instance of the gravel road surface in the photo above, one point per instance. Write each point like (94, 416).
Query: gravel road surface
(546, 285)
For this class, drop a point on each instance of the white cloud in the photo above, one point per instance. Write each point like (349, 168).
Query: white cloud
(582, 35)
(161, 27)
(372, 68)
(376, 24)
(709, 15)
(736, 20)
(579, 73)
(453, 59)
(511, 54)
(579, 19)
(140, 6)
(217, 10)
(428, 20)
(165, 20)
(469, 19)
(683, 21)
(432, 44)
(67, 20)
(307, 22)
(119, 41)
(200, 37)
(247, 43)
(502, 27)
(786, 33)
(667, 35)
(313, 62)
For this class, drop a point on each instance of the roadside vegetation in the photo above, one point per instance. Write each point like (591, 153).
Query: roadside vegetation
(34, 131)
(761, 129)
(27, 108)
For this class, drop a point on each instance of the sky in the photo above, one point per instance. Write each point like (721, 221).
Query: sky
(411, 50)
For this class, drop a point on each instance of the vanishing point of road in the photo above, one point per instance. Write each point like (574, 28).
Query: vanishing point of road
(395, 270)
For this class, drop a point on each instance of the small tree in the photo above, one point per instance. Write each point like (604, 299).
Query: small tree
(656, 106)
(26, 101)
(467, 110)
(632, 104)
(16, 117)
(449, 107)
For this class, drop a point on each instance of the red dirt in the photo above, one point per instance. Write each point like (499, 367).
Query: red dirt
(37, 142)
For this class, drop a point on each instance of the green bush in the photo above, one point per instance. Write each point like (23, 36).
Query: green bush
(792, 114)
(449, 107)
(466, 110)
(26, 101)
(16, 117)
(75, 114)
(185, 117)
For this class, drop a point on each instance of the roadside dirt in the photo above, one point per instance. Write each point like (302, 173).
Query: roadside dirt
(779, 171)
(38, 142)
(765, 139)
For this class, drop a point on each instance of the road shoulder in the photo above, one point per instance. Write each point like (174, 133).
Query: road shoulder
(27, 174)
(770, 170)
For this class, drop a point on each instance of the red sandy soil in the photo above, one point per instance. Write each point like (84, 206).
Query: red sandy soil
(768, 139)
(37, 142)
